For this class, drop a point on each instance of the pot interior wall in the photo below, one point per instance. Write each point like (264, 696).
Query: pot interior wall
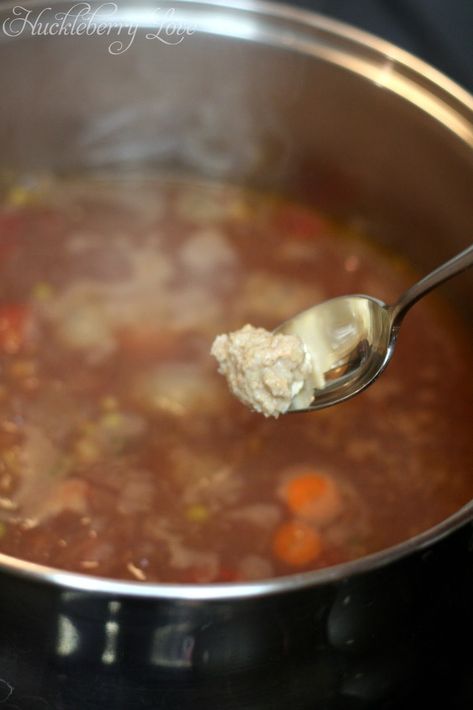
(281, 116)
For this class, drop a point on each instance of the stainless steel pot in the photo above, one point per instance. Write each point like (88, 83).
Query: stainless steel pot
(282, 99)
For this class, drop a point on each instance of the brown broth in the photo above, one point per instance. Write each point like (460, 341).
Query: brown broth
(122, 453)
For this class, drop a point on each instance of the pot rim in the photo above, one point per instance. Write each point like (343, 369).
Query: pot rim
(77, 582)
(417, 82)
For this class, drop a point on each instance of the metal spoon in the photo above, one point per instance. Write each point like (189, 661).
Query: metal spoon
(352, 338)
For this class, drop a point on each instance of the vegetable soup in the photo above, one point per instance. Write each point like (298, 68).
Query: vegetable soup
(123, 454)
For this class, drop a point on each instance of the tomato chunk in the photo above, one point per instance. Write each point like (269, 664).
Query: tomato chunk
(13, 320)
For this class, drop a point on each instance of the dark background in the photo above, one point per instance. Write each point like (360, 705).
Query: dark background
(438, 31)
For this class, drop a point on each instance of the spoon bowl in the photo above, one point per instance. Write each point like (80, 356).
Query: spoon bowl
(352, 338)
(349, 339)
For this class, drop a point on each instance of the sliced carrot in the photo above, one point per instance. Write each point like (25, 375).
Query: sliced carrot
(304, 489)
(296, 544)
(13, 319)
(313, 496)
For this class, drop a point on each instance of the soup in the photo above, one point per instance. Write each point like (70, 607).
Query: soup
(122, 453)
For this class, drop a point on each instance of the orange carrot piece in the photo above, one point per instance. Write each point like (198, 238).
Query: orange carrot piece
(296, 544)
(313, 496)
(304, 489)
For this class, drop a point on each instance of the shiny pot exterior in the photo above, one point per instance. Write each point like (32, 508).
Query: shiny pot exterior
(394, 637)
(282, 100)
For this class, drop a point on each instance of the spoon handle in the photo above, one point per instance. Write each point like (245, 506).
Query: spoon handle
(459, 263)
